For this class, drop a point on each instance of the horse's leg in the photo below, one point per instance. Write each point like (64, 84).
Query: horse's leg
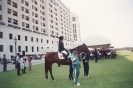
(46, 69)
(50, 70)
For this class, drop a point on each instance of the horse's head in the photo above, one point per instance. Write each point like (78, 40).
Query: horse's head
(82, 48)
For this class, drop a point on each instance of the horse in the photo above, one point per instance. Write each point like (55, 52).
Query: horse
(52, 57)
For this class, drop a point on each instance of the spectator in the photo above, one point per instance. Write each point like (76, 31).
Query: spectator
(4, 63)
(96, 55)
(29, 62)
(91, 55)
(0, 61)
(18, 64)
(85, 58)
(25, 58)
(22, 64)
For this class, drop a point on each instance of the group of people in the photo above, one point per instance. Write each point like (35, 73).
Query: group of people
(102, 54)
(21, 63)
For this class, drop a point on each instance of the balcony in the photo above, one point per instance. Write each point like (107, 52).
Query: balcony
(2, 23)
(45, 34)
(14, 26)
(37, 32)
(26, 29)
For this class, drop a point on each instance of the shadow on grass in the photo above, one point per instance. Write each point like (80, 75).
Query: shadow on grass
(111, 73)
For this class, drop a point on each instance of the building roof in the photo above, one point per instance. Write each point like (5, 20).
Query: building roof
(95, 40)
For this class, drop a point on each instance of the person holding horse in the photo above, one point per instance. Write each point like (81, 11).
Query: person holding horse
(61, 48)
(85, 58)
(75, 66)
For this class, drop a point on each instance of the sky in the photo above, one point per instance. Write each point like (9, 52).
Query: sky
(112, 19)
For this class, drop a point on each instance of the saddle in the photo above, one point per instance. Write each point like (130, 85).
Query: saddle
(60, 55)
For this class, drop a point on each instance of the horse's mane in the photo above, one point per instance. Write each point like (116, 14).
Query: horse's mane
(77, 47)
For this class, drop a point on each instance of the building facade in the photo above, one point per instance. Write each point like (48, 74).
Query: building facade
(36, 24)
(76, 28)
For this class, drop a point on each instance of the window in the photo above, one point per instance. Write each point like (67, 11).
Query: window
(41, 40)
(43, 24)
(11, 48)
(1, 34)
(36, 28)
(35, 9)
(26, 38)
(27, 18)
(47, 41)
(73, 18)
(32, 13)
(31, 39)
(52, 42)
(10, 36)
(19, 48)
(22, 8)
(26, 10)
(1, 48)
(35, 2)
(0, 17)
(36, 15)
(36, 39)
(22, 1)
(9, 20)
(0, 7)
(22, 16)
(42, 47)
(26, 48)
(14, 13)
(23, 24)
(27, 25)
(32, 49)
(15, 21)
(37, 49)
(42, 7)
(26, 3)
(9, 2)
(19, 37)
(14, 4)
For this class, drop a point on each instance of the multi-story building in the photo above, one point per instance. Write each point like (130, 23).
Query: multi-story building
(76, 28)
(36, 24)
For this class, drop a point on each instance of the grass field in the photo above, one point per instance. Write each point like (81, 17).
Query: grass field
(107, 73)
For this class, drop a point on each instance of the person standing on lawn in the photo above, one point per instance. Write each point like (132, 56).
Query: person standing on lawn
(18, 63)
(4, 63)
(75, 66)
(29, 62)
(85, 58)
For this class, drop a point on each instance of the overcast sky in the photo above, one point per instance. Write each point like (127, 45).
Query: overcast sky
(112, 19)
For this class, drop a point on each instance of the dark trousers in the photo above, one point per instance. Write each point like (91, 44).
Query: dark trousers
(18, 68)
(23, 71)
(96, 59)
(4, 66)
(86, 68)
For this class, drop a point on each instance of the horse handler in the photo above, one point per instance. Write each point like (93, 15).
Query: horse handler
(75, 66)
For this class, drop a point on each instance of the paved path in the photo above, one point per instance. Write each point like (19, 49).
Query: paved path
(12, 66)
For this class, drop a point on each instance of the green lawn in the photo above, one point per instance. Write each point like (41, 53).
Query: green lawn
(107, 73)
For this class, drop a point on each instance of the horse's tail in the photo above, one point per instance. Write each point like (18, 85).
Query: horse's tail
(46, 66)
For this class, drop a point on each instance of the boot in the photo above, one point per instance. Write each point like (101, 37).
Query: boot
(66, 58)
(22, 71)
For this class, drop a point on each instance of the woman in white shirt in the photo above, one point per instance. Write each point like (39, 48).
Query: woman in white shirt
(22, 64)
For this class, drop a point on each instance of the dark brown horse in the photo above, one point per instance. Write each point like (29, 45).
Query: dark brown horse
(52, 57)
